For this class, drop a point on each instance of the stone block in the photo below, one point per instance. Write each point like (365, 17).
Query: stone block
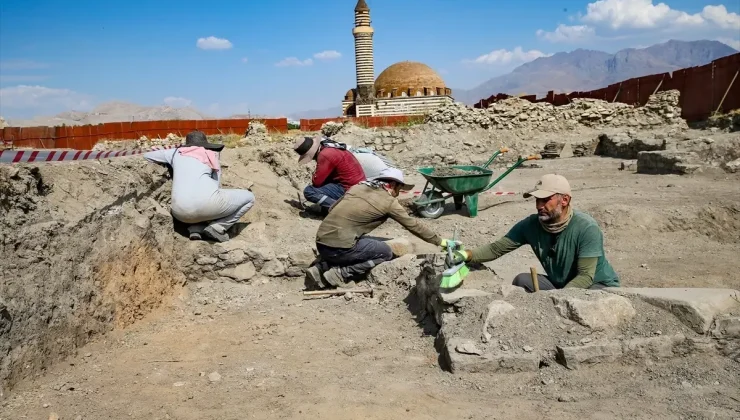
(661, 347)
(726, 327)
(599, 314)
(273, 268)
(453, 297)
(695, 307)
(666, 162)
(302, 259)
(242, 272)
(464, 362)
(573, 357)
(628, 165)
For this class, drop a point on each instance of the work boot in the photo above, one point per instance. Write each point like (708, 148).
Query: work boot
(213, 232)
(313, 274)
(334, 277)
(195, 232)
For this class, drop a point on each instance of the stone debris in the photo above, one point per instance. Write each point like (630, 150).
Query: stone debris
(214, 377)
(552, 150)
(143, 143)
(331, 128)
(584, 149)
(401, 272)
(732, 166)
(660, 109)
(495, 309)
(256, 134)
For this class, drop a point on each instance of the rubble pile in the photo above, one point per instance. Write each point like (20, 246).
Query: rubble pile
(512, 113)
(508, 330)
(380, 139)
(143, 143)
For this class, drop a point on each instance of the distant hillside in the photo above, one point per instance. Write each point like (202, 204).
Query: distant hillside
(588, 69)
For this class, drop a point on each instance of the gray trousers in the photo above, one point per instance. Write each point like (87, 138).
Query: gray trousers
(356, 261)
(525, 280)
(230, 205)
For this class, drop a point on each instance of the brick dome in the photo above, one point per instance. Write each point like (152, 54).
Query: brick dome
(409, 77)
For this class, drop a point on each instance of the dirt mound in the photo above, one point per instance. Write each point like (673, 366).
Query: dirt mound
(86, 247)
(718, 222)
(283, 161)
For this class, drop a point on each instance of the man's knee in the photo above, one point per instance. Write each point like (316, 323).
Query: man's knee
(523, 280)
(385, 251)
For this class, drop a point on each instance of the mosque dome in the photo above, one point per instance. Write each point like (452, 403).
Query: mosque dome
(410, 77)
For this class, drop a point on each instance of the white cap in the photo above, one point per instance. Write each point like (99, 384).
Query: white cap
(394, 174)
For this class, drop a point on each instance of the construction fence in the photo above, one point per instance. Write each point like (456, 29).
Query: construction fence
(705, 90)
(84, 137)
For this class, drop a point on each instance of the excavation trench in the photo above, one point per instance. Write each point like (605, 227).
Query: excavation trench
(86, 248)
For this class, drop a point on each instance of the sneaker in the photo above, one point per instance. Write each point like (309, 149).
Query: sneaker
(334, 276)
(213, 233)
(195, 236)
(313, 274)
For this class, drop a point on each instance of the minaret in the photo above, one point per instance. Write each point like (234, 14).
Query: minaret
(364, 65)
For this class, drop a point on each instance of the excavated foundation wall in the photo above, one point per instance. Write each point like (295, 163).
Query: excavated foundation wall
(86, 247)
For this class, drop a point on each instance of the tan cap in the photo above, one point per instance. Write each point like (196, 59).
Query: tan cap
(548, 185)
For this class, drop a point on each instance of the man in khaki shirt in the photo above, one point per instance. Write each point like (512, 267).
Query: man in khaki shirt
(344, 250)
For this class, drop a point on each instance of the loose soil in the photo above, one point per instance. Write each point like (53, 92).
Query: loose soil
(449, 171)
(216, 349)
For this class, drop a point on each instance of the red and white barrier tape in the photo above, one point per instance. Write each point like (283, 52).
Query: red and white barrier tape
(23, 156)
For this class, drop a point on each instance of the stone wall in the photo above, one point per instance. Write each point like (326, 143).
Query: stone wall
(661, 109)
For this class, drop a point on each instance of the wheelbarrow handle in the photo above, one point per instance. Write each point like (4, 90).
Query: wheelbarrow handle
(533, 157)
(503, 150)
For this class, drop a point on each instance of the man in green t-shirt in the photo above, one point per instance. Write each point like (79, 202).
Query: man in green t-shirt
(568, 242)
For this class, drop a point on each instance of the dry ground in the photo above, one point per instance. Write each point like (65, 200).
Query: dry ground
(233, 351)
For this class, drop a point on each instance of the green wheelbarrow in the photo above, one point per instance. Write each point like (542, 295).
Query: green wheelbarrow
(462, 188)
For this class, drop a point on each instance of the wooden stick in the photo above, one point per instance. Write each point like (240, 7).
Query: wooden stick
(336, 292)
(535, 280)
(726, 92)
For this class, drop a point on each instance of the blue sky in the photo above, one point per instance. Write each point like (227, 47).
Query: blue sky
(60, 55)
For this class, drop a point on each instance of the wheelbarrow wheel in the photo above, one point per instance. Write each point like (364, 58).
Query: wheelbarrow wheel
(432, 210)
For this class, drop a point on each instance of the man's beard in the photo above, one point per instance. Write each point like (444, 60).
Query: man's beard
(551, 216)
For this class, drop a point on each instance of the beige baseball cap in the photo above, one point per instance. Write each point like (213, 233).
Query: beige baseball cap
(548, 185)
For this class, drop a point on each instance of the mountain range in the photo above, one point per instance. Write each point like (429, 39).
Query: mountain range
(589, 69)
(582, 69)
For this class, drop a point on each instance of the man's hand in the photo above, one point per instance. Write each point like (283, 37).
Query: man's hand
(458, 257)
(449, 243)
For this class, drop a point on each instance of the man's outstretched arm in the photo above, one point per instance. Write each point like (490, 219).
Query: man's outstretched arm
(493, 250)
(586, 271)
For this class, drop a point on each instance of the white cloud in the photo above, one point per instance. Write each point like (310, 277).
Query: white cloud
(566, 33)
(213, 43)
(734, 43)
(327, 55)
(245, 60)
(639, 14)
(503, 57)
(294, 62)
(616, 18)
(177, 102)
(24, 97)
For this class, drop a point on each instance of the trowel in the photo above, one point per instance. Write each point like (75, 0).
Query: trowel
(453, 275)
